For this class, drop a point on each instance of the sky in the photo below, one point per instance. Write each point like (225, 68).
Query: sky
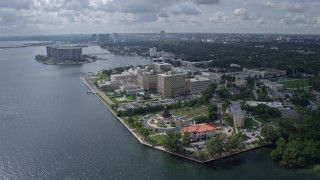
(45, 17)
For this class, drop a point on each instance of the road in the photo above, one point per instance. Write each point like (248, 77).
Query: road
(95, 90)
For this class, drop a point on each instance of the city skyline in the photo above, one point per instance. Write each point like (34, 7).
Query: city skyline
(40, 17)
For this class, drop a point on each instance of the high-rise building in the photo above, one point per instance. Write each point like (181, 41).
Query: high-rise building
(162, 35)
(115, 37)
(171, 84)
(64, 52)
(153, 52)
(148, 80)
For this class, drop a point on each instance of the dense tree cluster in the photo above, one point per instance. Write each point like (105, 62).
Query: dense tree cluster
(175, 141)
(289, 56)
(220, 144)
(296, 145)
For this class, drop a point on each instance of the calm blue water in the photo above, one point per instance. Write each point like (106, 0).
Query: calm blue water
(50, 128)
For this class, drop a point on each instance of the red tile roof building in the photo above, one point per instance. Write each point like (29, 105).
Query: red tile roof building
(200, 130)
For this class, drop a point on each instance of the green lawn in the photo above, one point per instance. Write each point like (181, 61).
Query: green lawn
(156, 140)
(190, 111)
(249, 123)
(296, 83)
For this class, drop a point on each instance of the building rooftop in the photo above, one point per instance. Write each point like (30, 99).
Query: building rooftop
(199, 78)
(204, 127)
(269, 104)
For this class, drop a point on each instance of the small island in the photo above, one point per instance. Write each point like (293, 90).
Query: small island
(64, 55)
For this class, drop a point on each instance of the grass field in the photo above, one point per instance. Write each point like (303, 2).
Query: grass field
(156, 140)
(249, 123)
(296, 83)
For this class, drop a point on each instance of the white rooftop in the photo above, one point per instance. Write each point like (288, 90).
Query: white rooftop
(269, 104)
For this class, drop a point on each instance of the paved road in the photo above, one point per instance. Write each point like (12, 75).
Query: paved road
(161, 130)
(94, 89)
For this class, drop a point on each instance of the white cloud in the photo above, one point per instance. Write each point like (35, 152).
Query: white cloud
(218, 17)
(241, 14)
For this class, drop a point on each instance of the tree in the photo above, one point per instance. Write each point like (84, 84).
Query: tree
(235, 141)
(185, 139)
(270, 134)
(172, 142)
(212, 112)
(201, 119)
(130, 120)
(278, 151)
(215, 145)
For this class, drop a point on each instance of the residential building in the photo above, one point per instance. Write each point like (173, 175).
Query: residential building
(199, 130)
(171, 84)
(197, 84)
(235, 112)
(64, 52)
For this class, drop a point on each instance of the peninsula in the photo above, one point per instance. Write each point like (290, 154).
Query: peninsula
(57, 54)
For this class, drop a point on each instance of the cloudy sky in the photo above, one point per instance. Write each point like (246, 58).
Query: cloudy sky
(24, 17)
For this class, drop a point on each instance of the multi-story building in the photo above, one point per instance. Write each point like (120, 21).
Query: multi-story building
(153, 52)
(197, 84)
(109, 85)
(64, 52)
(161, 67)
(216, 77)
(171, 84)
(235, 112)
(148, 80)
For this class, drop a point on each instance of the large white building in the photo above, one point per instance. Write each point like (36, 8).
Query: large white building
(109, 85)
(171, 84)
(216, 77)
(197, 84)
(272, 85)
(266, 72)
(269, 104)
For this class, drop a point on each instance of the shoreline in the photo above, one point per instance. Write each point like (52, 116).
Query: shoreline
(160, 148)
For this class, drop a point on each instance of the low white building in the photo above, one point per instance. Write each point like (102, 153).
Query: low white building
(269, 104)
(109, 85)
(130, 89)
(216, 77)
(272, 85)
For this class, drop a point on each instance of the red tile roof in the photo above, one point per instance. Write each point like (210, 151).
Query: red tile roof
(198, 128)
